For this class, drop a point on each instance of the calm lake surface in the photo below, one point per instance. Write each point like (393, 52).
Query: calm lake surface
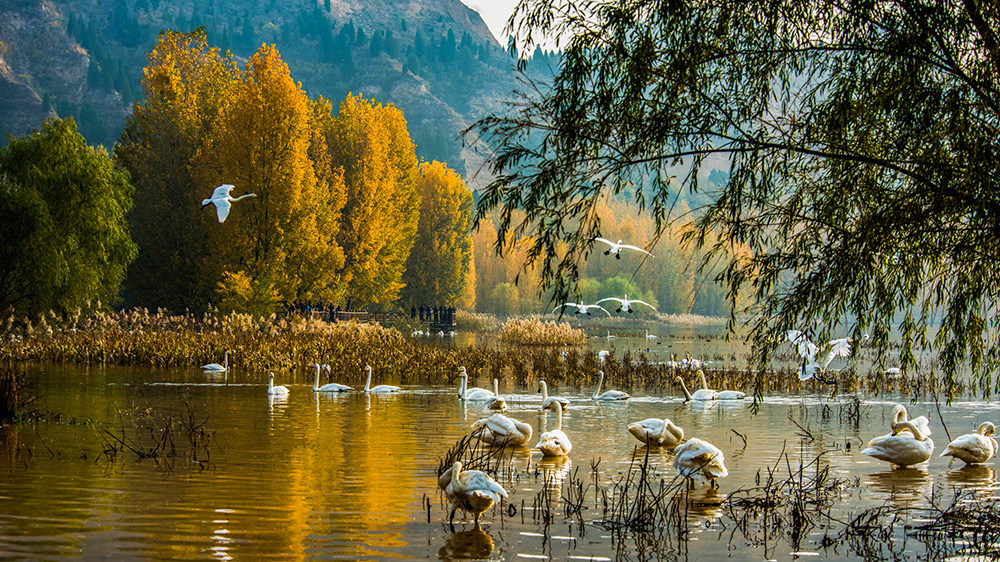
(353, 477)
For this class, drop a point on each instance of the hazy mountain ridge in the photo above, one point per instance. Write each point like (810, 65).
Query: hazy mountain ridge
(437, 61)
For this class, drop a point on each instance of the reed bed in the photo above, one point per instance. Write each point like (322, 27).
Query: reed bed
(532, 331)
(15, 402)
(294, 344)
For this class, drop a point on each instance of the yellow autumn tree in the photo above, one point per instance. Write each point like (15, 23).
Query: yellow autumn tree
(277, 248)
(379, 219)
(439, 262)
(184, 84)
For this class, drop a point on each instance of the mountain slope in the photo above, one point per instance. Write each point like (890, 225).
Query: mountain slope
(437, 61)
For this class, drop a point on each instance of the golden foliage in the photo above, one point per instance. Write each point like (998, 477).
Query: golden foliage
(532, 331)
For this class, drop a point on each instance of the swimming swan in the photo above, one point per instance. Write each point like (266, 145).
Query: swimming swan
(332, 387)
(700, 461)
(215, 367)
(546, 399)
(721, 394)
(222, 200)
(554, 443)
(498, 429)
(899, 448)
(974, 448)
(702, 394)
(471, 491)
(609, 395)
(380, 389)
(654, 431)
(275, 390)
(474, 394)
(497, 402)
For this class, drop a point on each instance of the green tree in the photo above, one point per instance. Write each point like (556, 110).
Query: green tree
(62, 211)
(861, 145)
(438, 265)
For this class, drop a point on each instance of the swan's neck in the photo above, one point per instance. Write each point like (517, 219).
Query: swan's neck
(462, 383)
(600, 381)
(316, 382)
(545, 391)
(703, 383)
(558, 410)
(225, 360)
(368, 381)
(910, 426)
(671, 429)
(684, 388)
(270, 382)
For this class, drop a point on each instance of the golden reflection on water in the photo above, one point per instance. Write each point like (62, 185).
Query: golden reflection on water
(350, 475)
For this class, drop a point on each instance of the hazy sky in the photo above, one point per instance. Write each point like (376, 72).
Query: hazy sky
(495, 14)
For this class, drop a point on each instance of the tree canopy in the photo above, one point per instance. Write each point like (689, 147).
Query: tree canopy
(860, 139)
(62, 222)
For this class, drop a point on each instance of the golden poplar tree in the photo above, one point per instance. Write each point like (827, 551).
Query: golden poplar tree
(379, 219)
(184, 84)
(276, 248)
(439, 262)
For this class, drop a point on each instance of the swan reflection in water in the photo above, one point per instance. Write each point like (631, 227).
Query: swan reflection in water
(703, 506)
(903, 485)
(976, 478)
(475, 544)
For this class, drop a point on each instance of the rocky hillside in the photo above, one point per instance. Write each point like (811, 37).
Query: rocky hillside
(436, 60)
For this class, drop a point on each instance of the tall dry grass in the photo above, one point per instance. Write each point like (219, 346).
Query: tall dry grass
(532, 331)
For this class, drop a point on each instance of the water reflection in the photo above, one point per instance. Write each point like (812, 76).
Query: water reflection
(904, 486)
(476, 544)
(974, 477)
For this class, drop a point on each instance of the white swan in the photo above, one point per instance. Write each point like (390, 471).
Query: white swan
(380, 389)
(582, 308)
(474, 394)
(215, 367)
(899, 448)
(976, 447)
(654, 431)
(815, 358)
(275, 390)
(616, 247)
(609, 395)
(222, 200)
(554, 443)
(625, 304)
(721, 394)
(700, 461)
(471, 491)
(332, 387)
(498, 429)
(497, 402)
(702, 394)
(546, 399)
(650, 336)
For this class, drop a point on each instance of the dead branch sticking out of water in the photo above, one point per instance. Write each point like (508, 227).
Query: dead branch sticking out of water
(148, 440)
(968, 528)
(784, 506)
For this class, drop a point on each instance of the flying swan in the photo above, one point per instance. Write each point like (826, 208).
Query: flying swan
(616, 247)
(222, 200)
(625, 304)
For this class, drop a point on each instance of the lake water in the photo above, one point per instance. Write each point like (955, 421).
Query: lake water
(353, 477)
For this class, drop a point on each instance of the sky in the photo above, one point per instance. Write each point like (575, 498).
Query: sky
(495, 14)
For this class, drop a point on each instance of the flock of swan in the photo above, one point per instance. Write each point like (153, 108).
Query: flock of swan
(695, 459)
